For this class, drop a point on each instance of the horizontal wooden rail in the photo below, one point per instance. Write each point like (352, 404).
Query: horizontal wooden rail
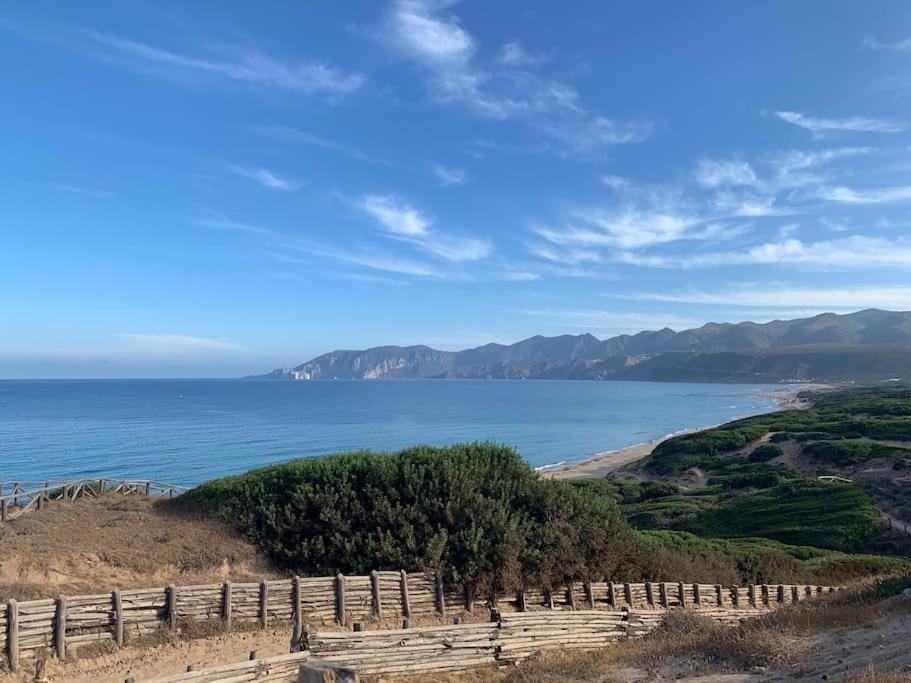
(121, 616)
(18, 498)
(505, 639)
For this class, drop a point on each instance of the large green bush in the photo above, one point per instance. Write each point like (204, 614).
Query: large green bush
(477, 513)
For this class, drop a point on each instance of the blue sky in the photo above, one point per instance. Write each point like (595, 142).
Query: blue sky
(219, 188)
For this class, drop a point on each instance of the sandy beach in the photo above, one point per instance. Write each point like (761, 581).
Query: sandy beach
(602, 464)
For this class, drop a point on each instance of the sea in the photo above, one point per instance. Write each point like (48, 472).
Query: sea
(189, 431)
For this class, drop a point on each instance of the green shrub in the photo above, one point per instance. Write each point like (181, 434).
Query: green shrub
(668, 555)
(765, 452)
(477, 513)
(800, 512)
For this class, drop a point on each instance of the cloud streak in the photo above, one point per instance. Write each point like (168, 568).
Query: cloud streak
(401, 221)
(435, 40)
(855, 124)
(241, 65)
(856, 251)
(770, 294)
(175, 344)
(267, 178)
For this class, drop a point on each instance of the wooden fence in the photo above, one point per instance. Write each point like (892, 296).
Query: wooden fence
(58, 624)
(509, 637)
(19, 497)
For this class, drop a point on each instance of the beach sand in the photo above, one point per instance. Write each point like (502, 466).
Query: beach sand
(602, 464)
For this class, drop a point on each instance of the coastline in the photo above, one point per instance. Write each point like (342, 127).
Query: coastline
(602, 464)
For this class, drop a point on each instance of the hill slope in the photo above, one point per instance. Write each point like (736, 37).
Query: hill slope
(866, 345)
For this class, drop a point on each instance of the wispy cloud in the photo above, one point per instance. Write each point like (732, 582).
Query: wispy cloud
(426, 33)
(267, 178)
(520, 276)
(855, 251)
(85, 191)
(873, 43)
(607, 322)
(783, 295)
(876, 195)
(304, 252)
(293, 135)
(404, 222)
(394, 215)
(177, 343)
(856, 124)
(713, 173)
(241, 64)
(217, 221)
(449, 175)
(513, 54)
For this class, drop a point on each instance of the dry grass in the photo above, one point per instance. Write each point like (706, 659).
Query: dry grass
(94, 545)
(880, 678)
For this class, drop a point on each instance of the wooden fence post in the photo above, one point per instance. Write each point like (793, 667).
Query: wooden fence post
(719, 594)
(117, 601)
(697, 594)
(171, 592)
(375, 588)
(441, 596)
(662, 594)
(681, 590)
(17, 488)
(12, 634)
(226, 605)
(297, 630)
(611, 594)
(264, 603)
(340, 598)
(469, 597)
(4, 511)
(60, 628)
(764, 592)
(590, 594)
(549, 597)
(571, 596)
(752, 594)
(406, 602)
(649, 593)
(779, 597)
(628, 594)
(735, 596)
(520, 600)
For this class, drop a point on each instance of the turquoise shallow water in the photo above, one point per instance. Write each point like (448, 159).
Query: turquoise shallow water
(187, 431)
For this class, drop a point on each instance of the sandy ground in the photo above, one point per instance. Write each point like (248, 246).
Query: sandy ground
(97, 544)
(168, 659)
(603, 464)
(881, 646)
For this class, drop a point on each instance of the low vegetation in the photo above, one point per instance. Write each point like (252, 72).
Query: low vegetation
(760, 476)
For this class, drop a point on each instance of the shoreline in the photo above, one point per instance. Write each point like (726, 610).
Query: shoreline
(602, 464)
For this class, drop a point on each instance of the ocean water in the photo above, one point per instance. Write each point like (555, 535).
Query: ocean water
(187, 431)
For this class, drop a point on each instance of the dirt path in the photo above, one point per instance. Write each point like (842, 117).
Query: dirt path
(882, 646)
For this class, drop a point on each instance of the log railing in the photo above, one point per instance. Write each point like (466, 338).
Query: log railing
(507, 638)
(20, 497)
(120, 616)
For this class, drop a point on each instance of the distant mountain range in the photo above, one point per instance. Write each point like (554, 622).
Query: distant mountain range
(863, 346)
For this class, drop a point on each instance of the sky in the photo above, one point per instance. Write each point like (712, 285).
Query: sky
(218, 188)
